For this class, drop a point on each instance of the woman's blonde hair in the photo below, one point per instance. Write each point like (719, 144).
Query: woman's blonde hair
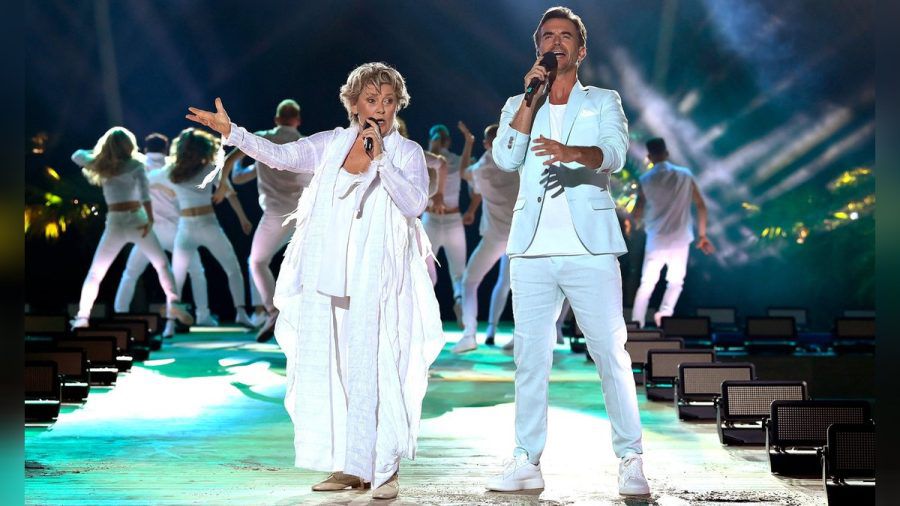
(192, 151)
(116, 147)
(376, 73)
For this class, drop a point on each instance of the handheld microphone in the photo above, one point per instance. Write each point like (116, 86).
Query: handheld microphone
(548, 61)
(367, 142)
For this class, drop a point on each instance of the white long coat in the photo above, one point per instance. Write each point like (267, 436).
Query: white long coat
(393, 326)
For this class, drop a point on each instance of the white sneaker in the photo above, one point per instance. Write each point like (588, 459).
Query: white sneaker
(169, 331)
(242, 319)
(518, 474)
(206, 319)
(258, 319)
(79, 322)
(467, 343)
(509, 346)
(631, 476)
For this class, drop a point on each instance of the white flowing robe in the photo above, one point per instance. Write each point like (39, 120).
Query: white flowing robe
(392, 330)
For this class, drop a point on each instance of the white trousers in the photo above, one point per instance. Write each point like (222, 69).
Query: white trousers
(501, 292)
(269, 238)
(119, 231)
(447, 231)
(489, 250)
(137, 264)
(196, 231)
(676, 259)
(593, 285)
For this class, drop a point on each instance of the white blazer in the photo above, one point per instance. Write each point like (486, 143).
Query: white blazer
(594, 117)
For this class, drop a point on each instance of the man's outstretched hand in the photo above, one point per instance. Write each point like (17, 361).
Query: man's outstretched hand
(218, 121)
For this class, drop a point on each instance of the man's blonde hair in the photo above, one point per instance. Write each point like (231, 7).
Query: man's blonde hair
(376, 73)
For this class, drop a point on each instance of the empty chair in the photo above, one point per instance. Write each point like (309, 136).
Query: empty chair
(72, 367)
(848, 464)
(140, 330)
(37, 325)
(662, 368)
(799, 314)
(42, 391)
(101, 352)
(699, 384)
(154, 321)
(97, 311)
(858, 313)
(124, 343)
(721, 318)
(141, 345)
(774, 334)
(854, 335)
(745, 405)
(695, 330)
(797, 430)
(638, 334)
(638, 349)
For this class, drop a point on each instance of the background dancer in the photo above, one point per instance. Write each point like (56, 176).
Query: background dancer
(165, 223)
(359, 318)
(279, 192)
(563, 242)
(437, 179)
(113, 164)
(198, 226)
(667, 191)
(496, 189)
(442, 219)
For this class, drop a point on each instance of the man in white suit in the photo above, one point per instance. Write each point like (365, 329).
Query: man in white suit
(564, 242)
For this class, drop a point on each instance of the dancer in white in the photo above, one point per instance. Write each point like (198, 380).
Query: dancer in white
(114, 165)
(165, 221)
(359, 322)
(666, 192)
(279, 192)
(565, 141)
(442, 219)
(198, 226)
(437, 179)
(496, 189)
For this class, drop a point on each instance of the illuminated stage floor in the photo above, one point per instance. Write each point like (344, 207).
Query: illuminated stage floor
(202, 422)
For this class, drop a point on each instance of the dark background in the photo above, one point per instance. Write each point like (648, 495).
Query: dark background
(767, 101)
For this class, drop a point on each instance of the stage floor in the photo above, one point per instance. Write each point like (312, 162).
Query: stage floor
(202, 422)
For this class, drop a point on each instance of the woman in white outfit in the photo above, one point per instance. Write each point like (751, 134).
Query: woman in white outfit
(437, 178)
(113, 164)
(165, 223)
(359, 323)
(198, 226)
(442, 219)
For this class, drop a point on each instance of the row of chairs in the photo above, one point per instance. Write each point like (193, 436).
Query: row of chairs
(803, 437)
(768, 334)
(725, 318)
(62, 365)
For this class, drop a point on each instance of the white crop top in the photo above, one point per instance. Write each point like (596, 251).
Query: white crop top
(187, 192)
(129, 185)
